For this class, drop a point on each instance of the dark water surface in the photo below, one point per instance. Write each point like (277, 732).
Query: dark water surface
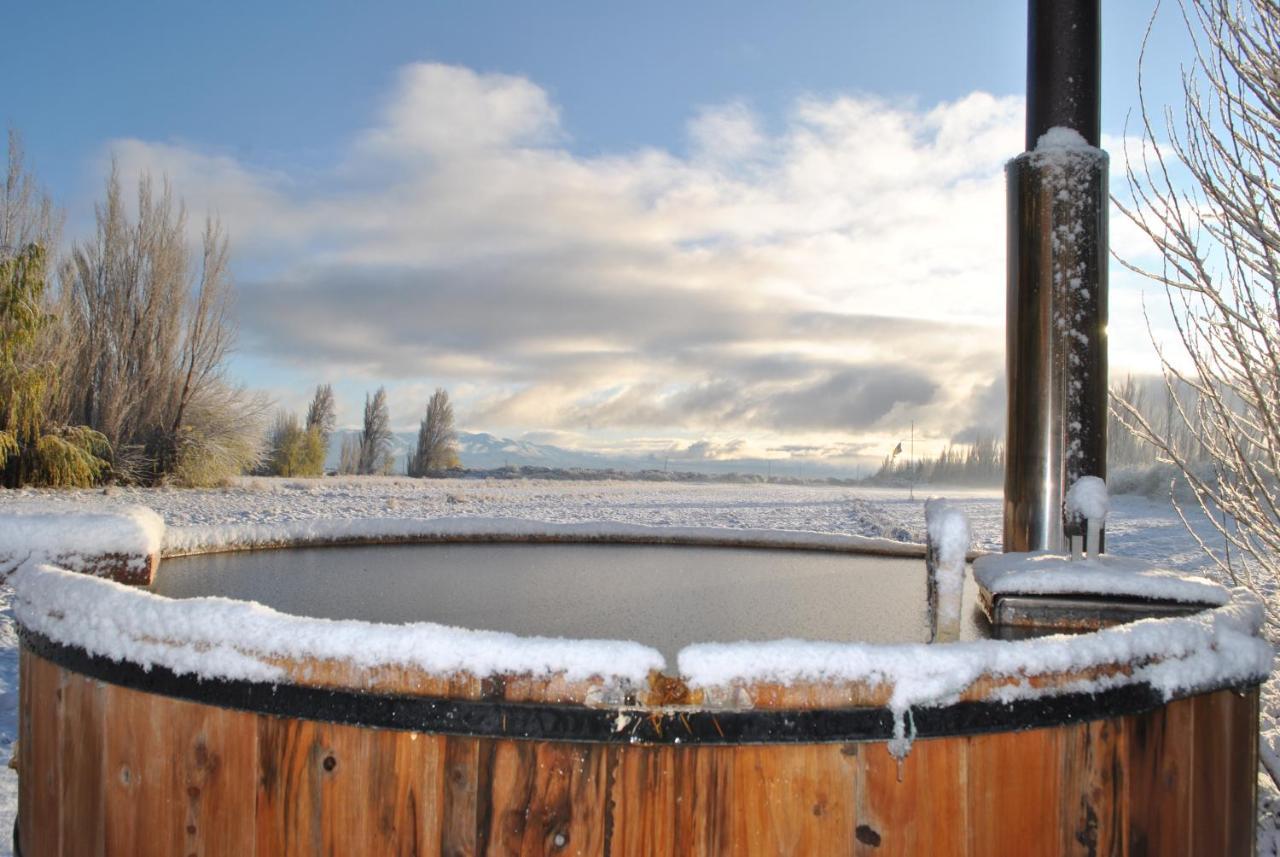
(666, 596)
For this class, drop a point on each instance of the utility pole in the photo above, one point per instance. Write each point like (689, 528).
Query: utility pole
(911, 491)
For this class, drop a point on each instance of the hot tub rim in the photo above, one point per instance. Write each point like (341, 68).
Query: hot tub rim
(678, 537)
(617, 724)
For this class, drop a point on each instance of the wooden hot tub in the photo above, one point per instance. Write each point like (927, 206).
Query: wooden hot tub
(135, 742)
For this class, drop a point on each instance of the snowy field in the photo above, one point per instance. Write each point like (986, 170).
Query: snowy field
(1138, 527)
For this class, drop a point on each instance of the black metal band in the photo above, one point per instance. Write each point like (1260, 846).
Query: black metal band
(578, 723)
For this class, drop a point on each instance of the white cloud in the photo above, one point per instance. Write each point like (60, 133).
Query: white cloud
(446, 111)
(835, 278)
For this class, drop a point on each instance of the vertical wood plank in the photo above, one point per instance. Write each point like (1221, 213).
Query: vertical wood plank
(703, 795)
(26, 767)
(547, 798)
(1211, 744)
(407, 775)
(333, 789)
(464, 824)
(1243, 805)
(137, 773)
(45, 762)
(672, 800)
(81, 802)
(644, 826)
(793, 800)
(1224, 773)
(916, 806)
(1158, 788)
(1014, 790)
(213, 763)
(1094, 817)
(288, 805)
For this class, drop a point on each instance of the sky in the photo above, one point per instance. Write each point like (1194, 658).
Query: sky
(711, 230)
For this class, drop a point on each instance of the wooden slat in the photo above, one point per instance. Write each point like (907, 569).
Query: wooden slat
(1241, 812)
(80, 736)
(916, 806)
(791, 800)
(212, 765)
(1014, 790)
(672, 800)
(1094, 819)
(41, 818)
(289, 811)
(407, 776)
(26, 783)
(547, 798)
(1224, 770)
(1158, 788)
(464, 828)
(137, 771)
(644, 826)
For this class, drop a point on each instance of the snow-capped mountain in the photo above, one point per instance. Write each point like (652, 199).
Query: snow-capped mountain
(484, 451)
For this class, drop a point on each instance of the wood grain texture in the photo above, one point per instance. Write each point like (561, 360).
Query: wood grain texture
(791, 800)
(1223, 777)
(1158, 795)
(26, 784)
(42, 817)
(1094, 821)
(546, 798)
(81, 784)
(684, 789)
(916, 806)
(110, 771)
(142, 816)
(213, 764)
(1014, 792)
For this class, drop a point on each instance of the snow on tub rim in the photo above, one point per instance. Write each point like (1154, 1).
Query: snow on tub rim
(225, 639)
(313, 532)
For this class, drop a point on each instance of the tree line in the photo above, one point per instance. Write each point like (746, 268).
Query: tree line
(299, 448)
(113, 355)
(982, 461)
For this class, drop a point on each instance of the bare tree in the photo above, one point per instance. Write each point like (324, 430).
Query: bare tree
(153, 330)
(322, 413)
(349, 457)
(27, 214)
(1209, 200)
(437, 449)
(375, 439)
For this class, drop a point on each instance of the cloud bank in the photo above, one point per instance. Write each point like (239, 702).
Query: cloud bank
(804, 286)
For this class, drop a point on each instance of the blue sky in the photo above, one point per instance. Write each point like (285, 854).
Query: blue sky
(303, 124)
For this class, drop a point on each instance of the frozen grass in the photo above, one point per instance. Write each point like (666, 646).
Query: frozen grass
(1137, 526)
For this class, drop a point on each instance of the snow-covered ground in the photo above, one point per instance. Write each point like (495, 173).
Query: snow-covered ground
(1137, 527)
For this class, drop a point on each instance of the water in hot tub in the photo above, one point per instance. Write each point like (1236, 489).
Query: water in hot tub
(665, 596)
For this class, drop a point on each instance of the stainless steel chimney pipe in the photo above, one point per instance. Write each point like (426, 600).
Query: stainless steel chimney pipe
(1056, 350)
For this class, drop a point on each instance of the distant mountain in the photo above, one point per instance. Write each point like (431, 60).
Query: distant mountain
(484, 451)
